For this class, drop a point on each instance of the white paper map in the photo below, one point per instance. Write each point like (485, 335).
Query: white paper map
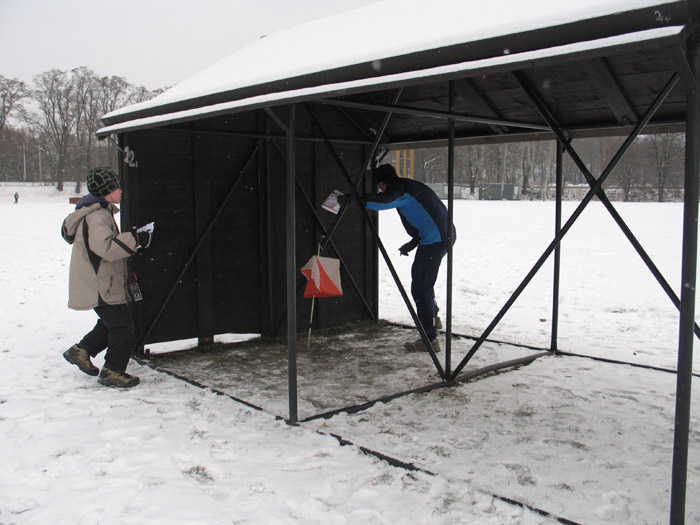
(331, 202)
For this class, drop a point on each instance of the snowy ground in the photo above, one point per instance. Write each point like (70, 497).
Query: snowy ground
(580, 439)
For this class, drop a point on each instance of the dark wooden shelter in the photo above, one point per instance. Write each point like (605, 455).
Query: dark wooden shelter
(233, 168)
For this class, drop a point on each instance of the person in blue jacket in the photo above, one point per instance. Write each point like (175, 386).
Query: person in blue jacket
(424, 217)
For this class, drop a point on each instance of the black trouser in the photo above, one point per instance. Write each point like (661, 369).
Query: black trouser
(424, 273)
(115, 332)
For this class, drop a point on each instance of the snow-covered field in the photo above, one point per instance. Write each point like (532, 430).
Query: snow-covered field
(580, 439)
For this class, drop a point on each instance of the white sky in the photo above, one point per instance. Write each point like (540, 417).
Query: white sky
(155, 43)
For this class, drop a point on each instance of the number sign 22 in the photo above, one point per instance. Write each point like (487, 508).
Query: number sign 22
(130, 158)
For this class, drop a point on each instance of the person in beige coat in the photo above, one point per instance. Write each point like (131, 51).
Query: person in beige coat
(98, 279)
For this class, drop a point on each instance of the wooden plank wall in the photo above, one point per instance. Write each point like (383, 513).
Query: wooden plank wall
(236, 283)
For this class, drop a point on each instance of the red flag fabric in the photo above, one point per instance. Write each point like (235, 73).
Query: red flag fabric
(323, 275)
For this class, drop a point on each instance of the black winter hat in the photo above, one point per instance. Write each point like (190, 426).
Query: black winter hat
(102, 181)
(385, 173)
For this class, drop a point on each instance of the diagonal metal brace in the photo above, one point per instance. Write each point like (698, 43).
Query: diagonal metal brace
(361, 173)
(572, 219)
(556, 128)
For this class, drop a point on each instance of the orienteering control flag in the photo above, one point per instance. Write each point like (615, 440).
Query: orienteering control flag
(323, 274)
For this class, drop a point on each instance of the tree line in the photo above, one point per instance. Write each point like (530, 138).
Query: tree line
(651, 170)
(47, 128)
(52, 139)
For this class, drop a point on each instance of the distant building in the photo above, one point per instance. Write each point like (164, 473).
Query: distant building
(442, 190)
(497, 192)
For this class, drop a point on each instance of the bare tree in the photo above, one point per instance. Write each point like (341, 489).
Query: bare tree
(58, 132)
(666, 147)
(628, 171)
(84, 81)
(58, 113)
(546, 163)
(93, 94)
(501, 157)
(114, 93)
(434, 165)
(527, 164)
(474, 157)
(12, 92)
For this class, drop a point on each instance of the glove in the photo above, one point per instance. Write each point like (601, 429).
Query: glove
(409, 246)
(144, 240)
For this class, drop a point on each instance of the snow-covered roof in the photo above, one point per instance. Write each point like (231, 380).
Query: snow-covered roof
(304, 61)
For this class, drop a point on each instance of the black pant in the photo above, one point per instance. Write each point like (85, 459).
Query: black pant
(115, 332)
(423, 276)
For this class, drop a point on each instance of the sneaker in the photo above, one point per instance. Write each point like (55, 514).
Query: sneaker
(419, 346)
(118, 379)
(80, 358)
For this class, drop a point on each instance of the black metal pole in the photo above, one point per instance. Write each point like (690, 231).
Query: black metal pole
(684, 374)
(407, 110)
(450, 233)
(557, 250)
(268, 235)
(291, 268)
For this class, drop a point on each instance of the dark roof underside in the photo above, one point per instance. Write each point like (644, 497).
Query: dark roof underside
(592, 90)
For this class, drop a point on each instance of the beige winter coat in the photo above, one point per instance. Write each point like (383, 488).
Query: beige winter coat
(98, 271)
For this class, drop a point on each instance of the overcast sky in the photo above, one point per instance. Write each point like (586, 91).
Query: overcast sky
(154, 43)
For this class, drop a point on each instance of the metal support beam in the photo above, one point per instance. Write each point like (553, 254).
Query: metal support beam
(353, 121)
(450, 233)
(574, 217)
(688, 281)
(277, 120)
(683, 67)
(290, 209)
(268, 235)
(475, 100)
(557, 250)
(408, 110)
(268, 135)
(604, 76)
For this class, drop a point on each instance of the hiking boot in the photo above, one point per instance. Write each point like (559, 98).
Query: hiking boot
(118, 379)
(419, 346)
(80, 358)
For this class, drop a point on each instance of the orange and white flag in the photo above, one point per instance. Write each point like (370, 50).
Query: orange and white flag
(323, 274)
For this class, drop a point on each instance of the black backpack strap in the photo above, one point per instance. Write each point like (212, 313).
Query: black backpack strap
(95, 259)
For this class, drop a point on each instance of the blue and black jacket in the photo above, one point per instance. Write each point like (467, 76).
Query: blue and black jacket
(423, 214)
